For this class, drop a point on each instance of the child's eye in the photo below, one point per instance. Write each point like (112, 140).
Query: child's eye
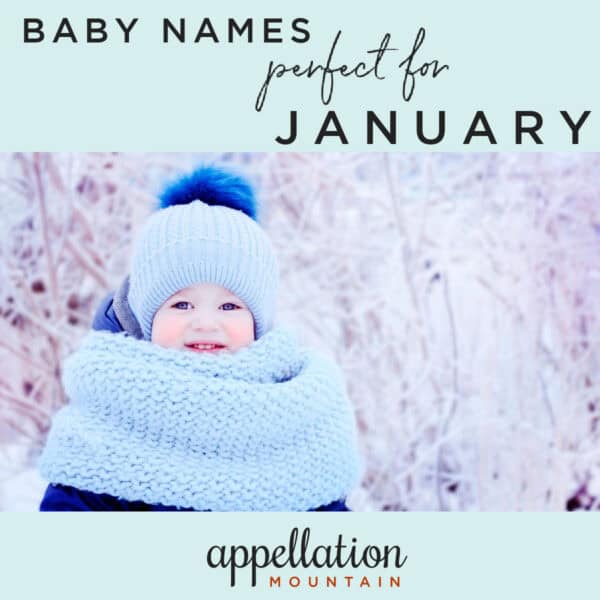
(182, 305)
(229, 306)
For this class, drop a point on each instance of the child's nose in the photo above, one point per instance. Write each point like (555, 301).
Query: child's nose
(203, 321)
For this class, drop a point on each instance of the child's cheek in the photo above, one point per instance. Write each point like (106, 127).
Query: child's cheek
(167, 330)
(241, 332)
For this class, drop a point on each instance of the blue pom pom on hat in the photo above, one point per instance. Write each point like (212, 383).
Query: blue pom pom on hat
(212, 186)
(205, 231)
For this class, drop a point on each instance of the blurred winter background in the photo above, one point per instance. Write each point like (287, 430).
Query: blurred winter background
(459, 292)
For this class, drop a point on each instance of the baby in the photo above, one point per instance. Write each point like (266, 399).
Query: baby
(203, 318)
(192, 400)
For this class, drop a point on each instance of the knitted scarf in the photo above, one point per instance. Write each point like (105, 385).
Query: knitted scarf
(267, 428)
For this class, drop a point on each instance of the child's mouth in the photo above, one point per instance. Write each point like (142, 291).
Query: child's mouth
(205, 347)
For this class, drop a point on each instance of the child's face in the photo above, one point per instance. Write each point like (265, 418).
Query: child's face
(203, 318)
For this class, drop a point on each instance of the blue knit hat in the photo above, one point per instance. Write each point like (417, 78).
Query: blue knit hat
(204, 232)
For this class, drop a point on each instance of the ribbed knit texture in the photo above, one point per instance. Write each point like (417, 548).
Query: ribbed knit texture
(195, 243)
(268, 428)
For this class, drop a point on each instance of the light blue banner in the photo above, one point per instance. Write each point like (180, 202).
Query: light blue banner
(304, 76)
(469, 556)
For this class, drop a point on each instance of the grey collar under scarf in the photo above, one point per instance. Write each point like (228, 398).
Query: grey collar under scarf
(124, 313)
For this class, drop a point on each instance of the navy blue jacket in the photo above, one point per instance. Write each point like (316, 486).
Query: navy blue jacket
(67, 498)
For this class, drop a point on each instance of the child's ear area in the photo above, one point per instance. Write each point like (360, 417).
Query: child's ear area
(154, 323)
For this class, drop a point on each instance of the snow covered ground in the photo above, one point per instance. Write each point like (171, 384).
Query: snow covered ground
(21, 488)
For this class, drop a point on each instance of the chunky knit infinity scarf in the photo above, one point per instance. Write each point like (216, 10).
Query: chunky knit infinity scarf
(264, 429)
